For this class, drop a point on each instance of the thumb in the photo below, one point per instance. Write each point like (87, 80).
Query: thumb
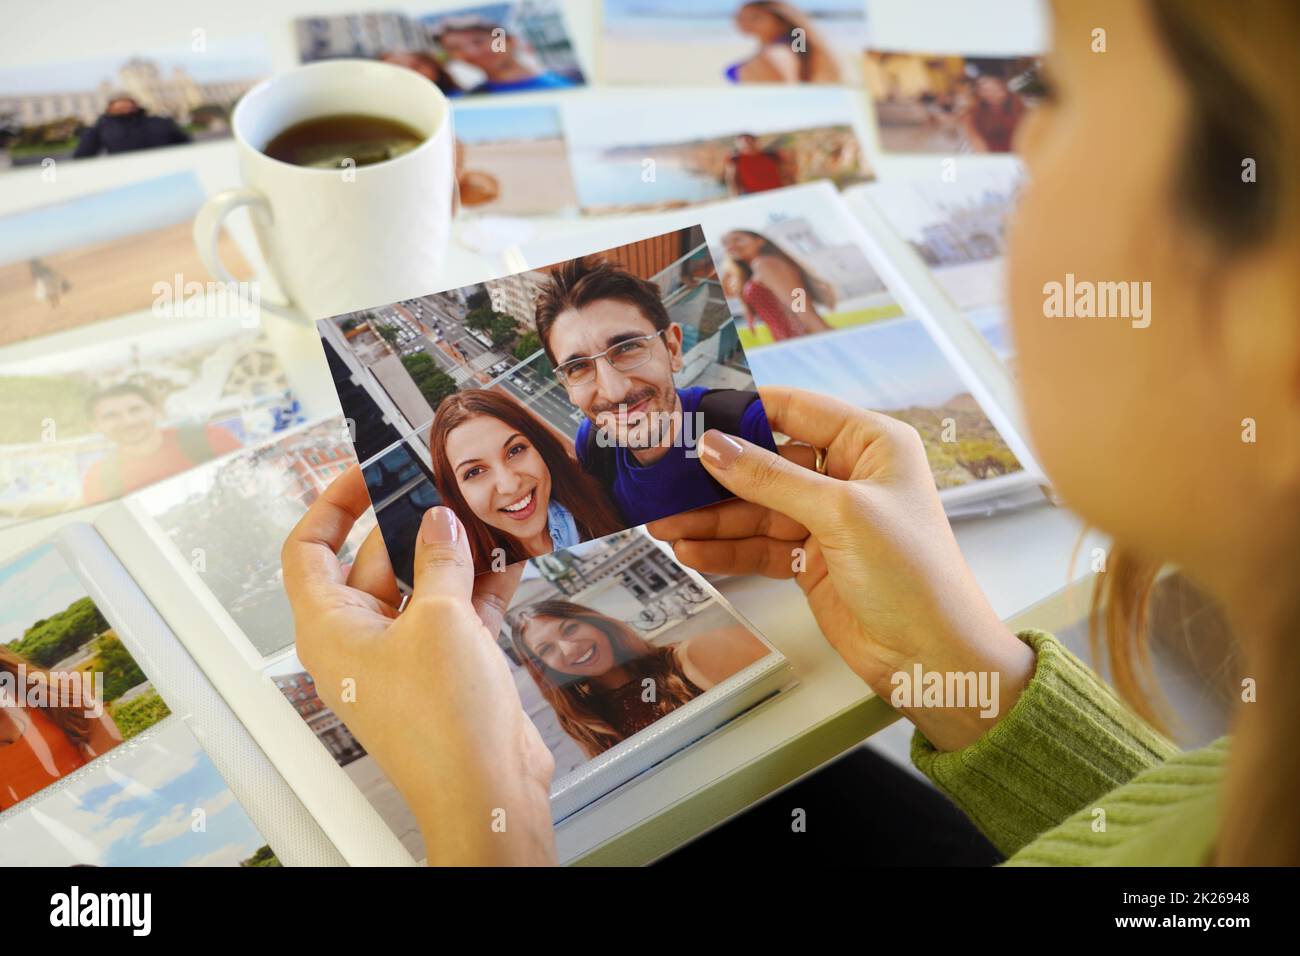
(444, 565)
(756, 474)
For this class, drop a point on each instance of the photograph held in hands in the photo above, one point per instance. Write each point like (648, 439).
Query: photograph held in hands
(550, 407)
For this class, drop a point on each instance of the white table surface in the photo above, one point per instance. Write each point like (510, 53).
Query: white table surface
(1020, 559)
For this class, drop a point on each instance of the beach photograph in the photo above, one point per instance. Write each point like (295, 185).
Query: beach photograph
(894, 367)
(513, 160)
(723, 144)
(790, 265)
(707, 42)
(100, 256)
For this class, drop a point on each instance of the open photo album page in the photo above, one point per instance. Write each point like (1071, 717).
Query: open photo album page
(95, 769)
(587, 628)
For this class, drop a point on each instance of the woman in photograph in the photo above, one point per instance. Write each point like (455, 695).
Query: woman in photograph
(42, 744)
(775, 288)
(993, 112)
(512, 481)
(427, 65)
(593, 669)
(791, 49)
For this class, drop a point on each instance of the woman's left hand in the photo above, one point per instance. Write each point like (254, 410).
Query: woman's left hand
(427, 692)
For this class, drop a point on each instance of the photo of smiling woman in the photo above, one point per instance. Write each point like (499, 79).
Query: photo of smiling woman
(769, 281)
(592, 669)
(791, 49)
(512, 481)
(41, 744)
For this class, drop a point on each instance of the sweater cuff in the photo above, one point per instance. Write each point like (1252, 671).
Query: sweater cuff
(1067, 741)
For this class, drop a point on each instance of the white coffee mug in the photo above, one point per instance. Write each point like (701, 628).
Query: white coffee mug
(338, 240)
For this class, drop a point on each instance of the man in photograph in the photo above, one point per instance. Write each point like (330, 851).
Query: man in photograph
(615, 350)
(487, 46)
(751, 169)
(127, 415)
(124, 127)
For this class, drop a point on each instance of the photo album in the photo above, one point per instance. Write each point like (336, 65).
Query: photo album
(175, 593)
(203, 440)
(557, 409)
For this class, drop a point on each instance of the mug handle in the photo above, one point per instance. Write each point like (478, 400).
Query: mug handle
(207, 232)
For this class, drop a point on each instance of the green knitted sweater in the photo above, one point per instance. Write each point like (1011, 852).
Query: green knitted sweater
(1071, 777)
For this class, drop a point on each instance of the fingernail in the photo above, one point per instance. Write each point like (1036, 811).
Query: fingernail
(721, 450)
(439, 526)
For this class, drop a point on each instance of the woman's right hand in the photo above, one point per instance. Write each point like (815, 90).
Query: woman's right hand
(869, 544)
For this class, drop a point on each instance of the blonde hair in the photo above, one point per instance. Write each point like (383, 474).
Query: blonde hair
(1234, 64)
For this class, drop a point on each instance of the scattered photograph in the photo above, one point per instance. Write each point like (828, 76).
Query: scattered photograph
(90, 425)
(121, 104)
(701, 42)
(894, 367)
(575, 411)
(607, 637)
(938, 103)
(297, 686)
(959, 229)
(509, 47)
(725, 144)
(101, 256)
(513, 160)
(159, 803)
(228, 521)
(791, 265)
(70, 691)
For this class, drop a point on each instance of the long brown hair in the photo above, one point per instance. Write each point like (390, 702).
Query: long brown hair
(579, 702)
(816, 55)
(818, 289)
(1234, 65)
(72, 720)
(576, 490)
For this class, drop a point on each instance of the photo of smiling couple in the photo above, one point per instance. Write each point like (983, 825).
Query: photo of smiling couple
(591, 424)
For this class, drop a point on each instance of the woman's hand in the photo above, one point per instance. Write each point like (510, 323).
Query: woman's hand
(869, 544)
(427, 691)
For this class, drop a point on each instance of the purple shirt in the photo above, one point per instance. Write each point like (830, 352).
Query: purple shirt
(676, 482)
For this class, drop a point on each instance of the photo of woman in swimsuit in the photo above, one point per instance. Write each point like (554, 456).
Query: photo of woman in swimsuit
(776, 289)
(791, 49)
